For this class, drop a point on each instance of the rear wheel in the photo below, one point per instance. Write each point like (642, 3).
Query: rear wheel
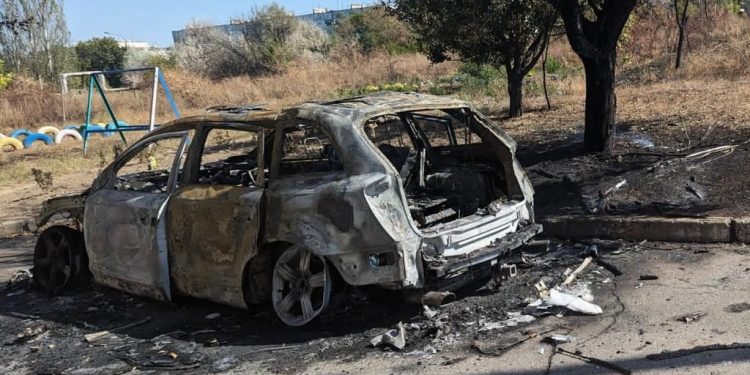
(59, 259)
(302, 285)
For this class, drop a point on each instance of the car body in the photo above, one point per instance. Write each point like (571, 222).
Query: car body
(399, 190)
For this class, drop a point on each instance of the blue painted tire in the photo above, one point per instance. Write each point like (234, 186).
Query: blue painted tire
(82, 129)
(29, 140)
(111, 126)
(20, 132)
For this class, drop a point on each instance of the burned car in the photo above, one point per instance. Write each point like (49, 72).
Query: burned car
(246, 205)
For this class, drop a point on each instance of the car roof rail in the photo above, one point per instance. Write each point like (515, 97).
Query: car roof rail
(236, 109)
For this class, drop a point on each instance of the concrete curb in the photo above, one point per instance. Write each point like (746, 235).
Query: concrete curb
(652, 228)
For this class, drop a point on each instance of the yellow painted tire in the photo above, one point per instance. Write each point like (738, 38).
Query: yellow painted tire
(49, 130)
(7, 141)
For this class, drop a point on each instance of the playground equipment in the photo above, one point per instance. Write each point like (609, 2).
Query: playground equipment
(97, 82)
(12, 142)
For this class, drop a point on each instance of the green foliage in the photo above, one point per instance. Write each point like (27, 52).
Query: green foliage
(510, 34)
(5, 78)
(269, 28)
(375, 29)
(101, 54)
(164, 61)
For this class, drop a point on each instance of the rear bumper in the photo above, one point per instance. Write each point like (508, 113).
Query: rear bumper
(438, 267)
(472, 233)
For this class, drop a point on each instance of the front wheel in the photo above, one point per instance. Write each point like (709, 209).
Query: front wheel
(59, 259)
(302, 286)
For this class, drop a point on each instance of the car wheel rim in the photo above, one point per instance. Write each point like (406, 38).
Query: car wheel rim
(52, 267)
(301, 286)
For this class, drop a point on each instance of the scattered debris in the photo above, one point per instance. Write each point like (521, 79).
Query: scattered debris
(698, 349)
(514, 319)
(571, 302)
(428, 313)
(737, 307)
(394, 337)
(437, 299)
(601, 203)
(501, 348)
(593, 251)
(559, 339)
(453, 361)
(91, 337)
(224, 364)
(648, 277)
(694, 317)
(27, 334)
(596, 361)
(569, 280)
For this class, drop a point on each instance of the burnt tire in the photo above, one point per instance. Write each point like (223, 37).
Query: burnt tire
(60, 259)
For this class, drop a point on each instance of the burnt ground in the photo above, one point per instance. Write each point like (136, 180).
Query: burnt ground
(45, 334)
(662, 173)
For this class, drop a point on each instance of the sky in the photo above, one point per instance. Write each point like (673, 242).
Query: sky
(153, 21)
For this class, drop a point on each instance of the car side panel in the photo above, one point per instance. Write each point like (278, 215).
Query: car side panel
(213, 231)
(329, 214)
(123, 232)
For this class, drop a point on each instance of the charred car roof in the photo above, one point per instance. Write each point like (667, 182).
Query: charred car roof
(352, 108)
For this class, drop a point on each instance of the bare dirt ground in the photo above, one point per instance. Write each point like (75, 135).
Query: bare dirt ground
(45, 334)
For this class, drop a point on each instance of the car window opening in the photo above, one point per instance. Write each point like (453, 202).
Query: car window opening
(229, 158)
(149, 169)
(307, 149)
(447, 171)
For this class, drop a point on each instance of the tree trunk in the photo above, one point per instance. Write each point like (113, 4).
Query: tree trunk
(601, 103)
(515, 92)
(681, 24)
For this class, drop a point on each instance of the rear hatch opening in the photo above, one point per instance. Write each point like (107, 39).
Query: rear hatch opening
(457, 183)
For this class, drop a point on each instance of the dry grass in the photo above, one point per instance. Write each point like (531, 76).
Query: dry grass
(29, 106)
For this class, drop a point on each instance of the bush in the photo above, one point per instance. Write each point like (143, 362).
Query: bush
(5, 78)
(266, 43)
(376, 30)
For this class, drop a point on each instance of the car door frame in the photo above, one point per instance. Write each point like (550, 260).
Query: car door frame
(197, 277)
(104, 264)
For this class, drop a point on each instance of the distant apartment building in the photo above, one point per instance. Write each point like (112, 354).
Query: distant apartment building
(321, 17)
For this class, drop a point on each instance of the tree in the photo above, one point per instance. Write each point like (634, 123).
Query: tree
(509, 34)
(376, 29)
(101, 54)
(681, 17)
(33, 36)
(593, 30)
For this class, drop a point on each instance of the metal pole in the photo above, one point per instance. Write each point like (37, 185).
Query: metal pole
(152, 119)
(63, 91)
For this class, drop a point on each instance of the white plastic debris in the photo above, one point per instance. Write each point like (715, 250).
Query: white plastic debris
(428, 312)
(514, 318)
(394, 337)
(571, 302)
(212, 316)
